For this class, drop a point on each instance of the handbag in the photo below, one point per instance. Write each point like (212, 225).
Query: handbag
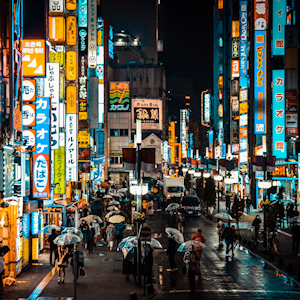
(82, 272)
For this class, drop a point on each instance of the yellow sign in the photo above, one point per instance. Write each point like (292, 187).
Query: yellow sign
(220, 110)
(71, 30)
(71, 4)
(82, 115)
(71, 99)
(59, 171)
(243, 107)
(71, 65)
(57, 55)
(235, 29)
(57, 29)
(35, 249)
(33, 58)
(220, 82)
(61, 86)
(83, 139)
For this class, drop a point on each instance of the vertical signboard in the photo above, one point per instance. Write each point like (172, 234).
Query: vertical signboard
(57, 55)
(41, 180)
(92, 34)
(278, 104)
(279, 21)
(56, 6)
(71, 147)
(60, 167)
(243, 38)
(29, 90)
(260, 14)
(119, 96)
(52, 91)
(71, 30)
(183, 132)
(82, 13)
(260, 93)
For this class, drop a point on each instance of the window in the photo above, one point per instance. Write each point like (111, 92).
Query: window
(123, 132)
(114, 132)
(114, 160)
(121, 159)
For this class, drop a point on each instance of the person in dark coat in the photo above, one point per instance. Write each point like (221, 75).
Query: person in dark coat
(69, 221)
(53, 246)
(171, 251)
(296, 238)
(90, 238)
(227, 197)
(120, 227)
(256, 225)
(228, 237)
(173, 220)
(148, 266)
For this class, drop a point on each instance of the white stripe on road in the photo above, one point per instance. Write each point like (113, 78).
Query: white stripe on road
(236, 291)
(285, 233)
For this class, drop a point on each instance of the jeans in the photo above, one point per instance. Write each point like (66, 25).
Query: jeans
(228, 243)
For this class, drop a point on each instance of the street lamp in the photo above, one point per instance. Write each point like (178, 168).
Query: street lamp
(264, 184)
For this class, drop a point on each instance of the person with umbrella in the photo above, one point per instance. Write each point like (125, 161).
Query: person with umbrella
(53, 246)
(200, 238)
(172, 219)
(171, 251)
(97, 231)
(84, 227)
(120, 227)
(110, 234)
(90, 233)
(62, 257)
(192, 259)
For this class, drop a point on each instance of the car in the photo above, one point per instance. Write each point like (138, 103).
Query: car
(191, 205)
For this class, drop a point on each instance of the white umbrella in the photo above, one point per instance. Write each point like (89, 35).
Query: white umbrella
(74, 231)
(123, 190)
(175, 234)
(67, 239)
(107, 197)
(113, 202)
(112, 208)
(49, 228)
(223, 216)
(90, 219)
(186, 246)
(294, 220)
(172, 206)
(116, 219)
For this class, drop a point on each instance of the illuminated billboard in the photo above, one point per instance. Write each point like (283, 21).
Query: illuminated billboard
(279, 21)
(119, 96)
(71, 147)
(41, 181)
(60, 167)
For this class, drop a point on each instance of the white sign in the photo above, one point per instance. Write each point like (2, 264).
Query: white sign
(183, 131)
(28, 115)
(52, 91)
(28, 90)
(29, 137)
(40, 182)
(71, 147)
(149, 111)
(56, 6)
(92, 34)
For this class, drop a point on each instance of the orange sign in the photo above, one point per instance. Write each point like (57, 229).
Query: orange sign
(17, 120)
(71, 65)
(243, 107)
(71, 30)
(57, 29)
(235, 68)
(235, 29)
(71, 99)
(71, 4)
(33, 58)
(279, 171)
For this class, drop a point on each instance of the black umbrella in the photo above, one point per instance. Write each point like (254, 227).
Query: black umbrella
(4, 249)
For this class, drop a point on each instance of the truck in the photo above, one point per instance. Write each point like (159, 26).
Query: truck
(173, 187)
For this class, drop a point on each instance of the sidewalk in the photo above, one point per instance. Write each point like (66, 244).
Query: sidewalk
(290, 263)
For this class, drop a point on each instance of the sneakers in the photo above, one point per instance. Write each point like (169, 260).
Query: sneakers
(63, 281)
(58, 280)
(118, 249)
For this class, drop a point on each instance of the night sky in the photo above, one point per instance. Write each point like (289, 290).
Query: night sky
(187, 32)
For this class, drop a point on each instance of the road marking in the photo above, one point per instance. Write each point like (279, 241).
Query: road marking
(236, 291)
(285, 233)
(38, 290)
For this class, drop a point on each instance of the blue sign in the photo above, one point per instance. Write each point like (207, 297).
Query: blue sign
(279, 21)
(25, 226)
(278, 112)
(260, 93)
(42, 126)
(100, 142)
(243, 38)
(82, 13)
(35, 223)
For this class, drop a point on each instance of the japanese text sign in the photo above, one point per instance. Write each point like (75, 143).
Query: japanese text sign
(243, 38)
(260, 93)
(57, 29)
(29, 115)
(92, 33)
(82, 13)
(59, 171)
(71, 65)
(41, 176)
(57, 55)
(33, 58)
(35, 223)
(71, 29)
(71, 92)
(56, 6)
(279, 21)
(260, 14)
(42, 125)
(29, 90)
(29, 136)
(52, 91)
(119, 96)
(71, 147)
(278, 112)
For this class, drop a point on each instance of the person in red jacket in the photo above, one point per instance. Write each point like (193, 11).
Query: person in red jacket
(198, 237)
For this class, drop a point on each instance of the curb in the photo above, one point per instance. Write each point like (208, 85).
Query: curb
(261, 258)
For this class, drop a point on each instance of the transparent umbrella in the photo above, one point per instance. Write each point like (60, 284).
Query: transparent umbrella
(172, 206)
(74, 231)
(107, 197)
(294, 220)
(67, 239)
(48, 228)
(223, 216)
(114, 202)
(112, 208)
(91, 218)
(116, 219)
(131, 241)
(185, 246)
(175, 234)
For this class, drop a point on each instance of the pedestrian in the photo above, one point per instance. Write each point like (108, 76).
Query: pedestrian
(235, 238)
(200, 238)
(228, 237)
(79, 257)
(69, 221)
(90, 233)
(53, 246)
(256, 224)
(192, 259)
(172, 219)
(84, 227)
(97, 231)
(171, 251)
(148, 266)
(181, 222)
(120, 227)
(228, 202)
(220, 229)
(150, 210)
(248, 204)
(296, 238)
(144, 205)
(62, 257)
(110, 235)
(103, 230)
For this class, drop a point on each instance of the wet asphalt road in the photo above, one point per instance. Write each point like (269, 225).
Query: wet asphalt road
(241, 277)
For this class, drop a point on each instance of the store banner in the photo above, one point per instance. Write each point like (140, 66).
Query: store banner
(278, 114)
(243, 38)
(92, 34)
(41, 178)
(29, 138)
(260, 91)
(60, 167)
(119, 96)
(279, 22)
(29, 90)
(57, 55)
(52, 91)
(42, 125)
(260, 14)
(29, 115)
(71, 147)
(82, 13)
